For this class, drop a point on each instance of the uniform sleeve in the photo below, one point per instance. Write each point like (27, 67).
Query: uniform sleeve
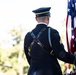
(26, 50)
(59, 50)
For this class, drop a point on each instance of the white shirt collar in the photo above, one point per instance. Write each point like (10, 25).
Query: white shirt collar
(42, 23)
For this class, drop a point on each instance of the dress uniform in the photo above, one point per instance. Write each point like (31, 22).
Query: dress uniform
(43, 46)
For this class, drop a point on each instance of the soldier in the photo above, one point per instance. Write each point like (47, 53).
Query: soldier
(43, 47)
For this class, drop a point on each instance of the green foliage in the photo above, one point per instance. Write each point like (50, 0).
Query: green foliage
(12, 59)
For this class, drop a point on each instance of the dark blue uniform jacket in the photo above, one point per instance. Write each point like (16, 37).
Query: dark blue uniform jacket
(42, 63)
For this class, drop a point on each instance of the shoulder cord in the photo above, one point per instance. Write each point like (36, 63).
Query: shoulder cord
(49, 39)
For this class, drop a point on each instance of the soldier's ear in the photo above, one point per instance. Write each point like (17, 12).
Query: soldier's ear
(48, 18)
(36, 18)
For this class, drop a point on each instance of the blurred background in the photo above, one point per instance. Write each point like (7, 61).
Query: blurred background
(16, 19)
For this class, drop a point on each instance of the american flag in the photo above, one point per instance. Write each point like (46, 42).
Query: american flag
(71, 26)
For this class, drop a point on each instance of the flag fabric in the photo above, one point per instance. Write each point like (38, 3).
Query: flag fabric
(71, 26)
